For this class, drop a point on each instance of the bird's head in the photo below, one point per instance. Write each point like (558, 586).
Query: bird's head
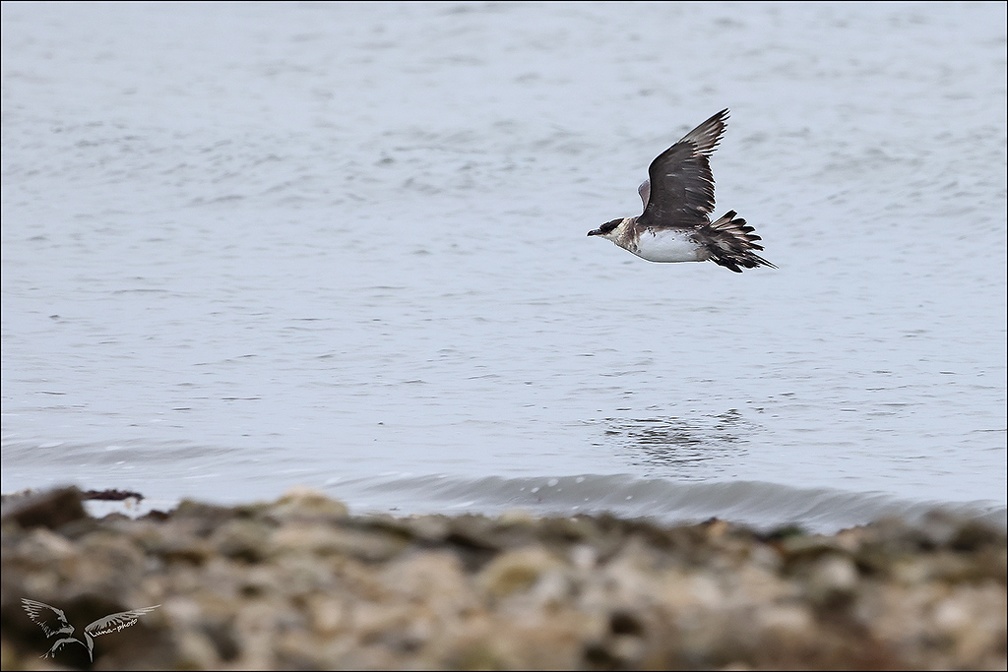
(607, 230)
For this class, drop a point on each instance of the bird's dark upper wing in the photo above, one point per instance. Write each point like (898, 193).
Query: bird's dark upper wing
(682, 186)
(645, 191)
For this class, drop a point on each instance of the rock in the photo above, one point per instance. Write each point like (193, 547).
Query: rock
(299, 583)
(52, 509)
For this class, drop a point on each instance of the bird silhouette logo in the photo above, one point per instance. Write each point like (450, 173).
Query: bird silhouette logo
(54, 623)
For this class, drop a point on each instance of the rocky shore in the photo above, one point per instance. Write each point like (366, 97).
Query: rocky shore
(298, 583)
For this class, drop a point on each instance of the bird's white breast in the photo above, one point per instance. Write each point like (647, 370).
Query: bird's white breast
(667, 245)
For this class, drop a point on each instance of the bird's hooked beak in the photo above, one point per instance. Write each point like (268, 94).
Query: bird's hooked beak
(606, 229)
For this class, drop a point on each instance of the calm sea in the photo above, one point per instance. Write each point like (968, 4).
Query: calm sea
(252, 246)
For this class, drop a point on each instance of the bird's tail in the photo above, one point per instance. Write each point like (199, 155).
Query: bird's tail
(732, 243)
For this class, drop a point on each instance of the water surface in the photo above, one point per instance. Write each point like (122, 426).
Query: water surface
(247, 247)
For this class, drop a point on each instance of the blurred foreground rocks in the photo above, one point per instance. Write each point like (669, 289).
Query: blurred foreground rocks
(300, 584)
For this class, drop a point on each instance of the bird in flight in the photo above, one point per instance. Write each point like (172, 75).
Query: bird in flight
(678, 201)
(53, 622)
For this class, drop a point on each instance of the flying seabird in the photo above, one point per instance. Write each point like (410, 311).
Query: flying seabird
(678, 200)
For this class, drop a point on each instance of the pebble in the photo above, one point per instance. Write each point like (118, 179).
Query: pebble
(301, 583)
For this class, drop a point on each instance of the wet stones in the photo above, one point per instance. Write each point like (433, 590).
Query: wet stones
(301, 583)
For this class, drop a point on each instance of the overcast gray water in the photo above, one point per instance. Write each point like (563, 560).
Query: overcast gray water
(251, 246)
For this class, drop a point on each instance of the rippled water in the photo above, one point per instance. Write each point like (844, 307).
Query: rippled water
(343, 245)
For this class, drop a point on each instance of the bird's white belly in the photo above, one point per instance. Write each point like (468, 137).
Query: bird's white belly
(667, 246)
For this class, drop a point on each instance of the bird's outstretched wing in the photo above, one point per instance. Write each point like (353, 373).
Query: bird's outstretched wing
(645, 191)
(681, 190)
(114, 622)
(53, 621)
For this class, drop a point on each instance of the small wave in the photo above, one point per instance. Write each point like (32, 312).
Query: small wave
(758, 504)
